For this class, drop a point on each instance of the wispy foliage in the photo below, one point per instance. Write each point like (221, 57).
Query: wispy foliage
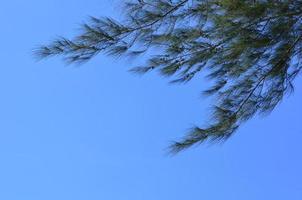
(251, 49)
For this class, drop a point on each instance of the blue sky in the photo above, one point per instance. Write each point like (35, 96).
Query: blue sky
(98, 132)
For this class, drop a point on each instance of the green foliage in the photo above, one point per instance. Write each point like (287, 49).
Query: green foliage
(250, 48)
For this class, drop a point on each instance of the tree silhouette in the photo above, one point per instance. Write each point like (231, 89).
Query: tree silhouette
(250, 49)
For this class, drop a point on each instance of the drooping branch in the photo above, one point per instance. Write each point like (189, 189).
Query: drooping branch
(250, 50)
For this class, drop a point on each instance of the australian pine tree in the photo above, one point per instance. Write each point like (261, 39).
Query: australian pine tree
(250, 49)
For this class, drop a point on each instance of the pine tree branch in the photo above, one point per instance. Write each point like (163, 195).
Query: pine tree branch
(262, 79)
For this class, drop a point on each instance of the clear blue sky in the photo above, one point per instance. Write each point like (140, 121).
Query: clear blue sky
(97, 132)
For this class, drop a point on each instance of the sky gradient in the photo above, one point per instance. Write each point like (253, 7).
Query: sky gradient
(96, 131)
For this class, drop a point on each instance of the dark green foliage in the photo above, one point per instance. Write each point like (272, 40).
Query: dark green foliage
(251, 49)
